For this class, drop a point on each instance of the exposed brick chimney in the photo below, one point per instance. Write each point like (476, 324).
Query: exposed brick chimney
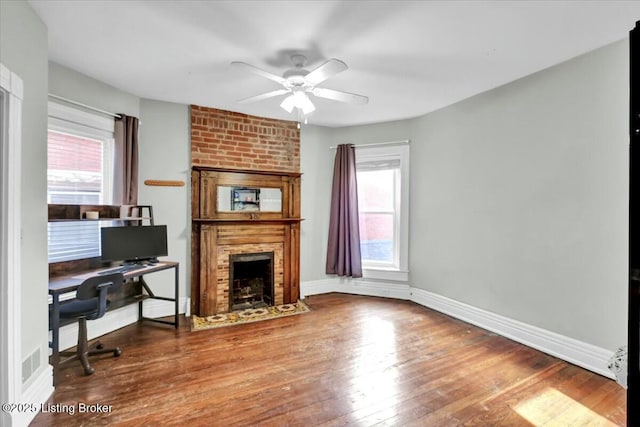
(232, 140)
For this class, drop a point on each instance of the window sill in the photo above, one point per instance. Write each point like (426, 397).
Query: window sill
(385, 274)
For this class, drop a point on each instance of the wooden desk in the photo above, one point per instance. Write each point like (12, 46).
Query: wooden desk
(66, 284)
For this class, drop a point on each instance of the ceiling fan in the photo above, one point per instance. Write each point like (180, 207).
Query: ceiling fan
(298, 82)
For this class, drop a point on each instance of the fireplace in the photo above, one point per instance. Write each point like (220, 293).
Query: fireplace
(251, 283)
(219, 279)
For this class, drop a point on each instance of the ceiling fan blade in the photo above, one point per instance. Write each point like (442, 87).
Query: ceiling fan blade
(323, 72)
(338, 95)
(258, 71)
(263, 96)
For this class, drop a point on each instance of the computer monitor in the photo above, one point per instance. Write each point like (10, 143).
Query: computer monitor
(133, 243)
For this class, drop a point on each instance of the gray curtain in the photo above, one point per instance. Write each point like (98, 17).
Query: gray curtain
(125, 174)
(343, 249)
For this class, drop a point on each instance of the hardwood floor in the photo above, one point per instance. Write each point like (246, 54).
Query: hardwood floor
(352, 360)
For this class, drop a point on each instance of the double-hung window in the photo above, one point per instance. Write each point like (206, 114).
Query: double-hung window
(383, 189)
(79, 171)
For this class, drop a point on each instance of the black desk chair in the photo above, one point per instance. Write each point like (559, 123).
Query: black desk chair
(91, 303)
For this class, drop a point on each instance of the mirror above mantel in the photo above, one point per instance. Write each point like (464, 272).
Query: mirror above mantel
(249, 199)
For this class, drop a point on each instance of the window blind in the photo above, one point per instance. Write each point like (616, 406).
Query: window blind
(78, 155)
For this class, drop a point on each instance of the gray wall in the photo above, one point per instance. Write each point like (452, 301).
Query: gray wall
(317, 168)
(518, 201)
(76, 86)
(23, 49)
(521, 199)
(165, 154)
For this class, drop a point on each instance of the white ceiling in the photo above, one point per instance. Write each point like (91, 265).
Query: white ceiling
(408, 57)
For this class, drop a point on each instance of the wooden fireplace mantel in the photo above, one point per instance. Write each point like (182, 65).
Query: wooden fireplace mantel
(247, 221)
(219, 233)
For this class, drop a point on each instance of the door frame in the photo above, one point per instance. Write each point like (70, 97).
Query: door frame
(633, 343)
(10, 244)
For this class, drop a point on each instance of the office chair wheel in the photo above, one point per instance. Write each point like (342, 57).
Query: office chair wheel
(88, 370)
(117, 352)
(99, 346)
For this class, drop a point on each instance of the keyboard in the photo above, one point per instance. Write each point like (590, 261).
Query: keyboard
(122, 269)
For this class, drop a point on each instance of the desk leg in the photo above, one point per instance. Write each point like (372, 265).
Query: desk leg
(55, 335)
(175, 299)
(144, 288)
(177, 304)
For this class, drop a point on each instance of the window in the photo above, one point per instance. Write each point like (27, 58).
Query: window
(79, 171)
(383, 174)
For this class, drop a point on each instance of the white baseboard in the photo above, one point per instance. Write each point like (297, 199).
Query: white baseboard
(357, 287)
(187, 306)
(37, 393)
(317, 287)
(154, 308)
(571, 350)
(117, 319)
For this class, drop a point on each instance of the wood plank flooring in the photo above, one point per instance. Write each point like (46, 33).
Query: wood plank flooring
(352, 360)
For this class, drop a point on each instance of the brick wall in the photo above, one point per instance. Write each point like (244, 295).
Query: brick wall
(238, 141)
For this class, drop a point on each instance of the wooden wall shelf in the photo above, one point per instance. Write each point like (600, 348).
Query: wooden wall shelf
(163, 183)
(67, 213)
(78, 212)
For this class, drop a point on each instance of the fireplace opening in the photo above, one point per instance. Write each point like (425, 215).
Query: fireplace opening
(250, 280)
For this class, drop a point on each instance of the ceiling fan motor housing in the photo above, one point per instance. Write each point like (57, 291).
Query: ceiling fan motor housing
(295, 76)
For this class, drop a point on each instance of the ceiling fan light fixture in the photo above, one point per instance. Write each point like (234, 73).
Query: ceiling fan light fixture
(303, 102)
(299, 100)
(288, 103)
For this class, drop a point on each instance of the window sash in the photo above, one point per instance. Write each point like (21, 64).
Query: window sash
(393, 165)
(72, 240)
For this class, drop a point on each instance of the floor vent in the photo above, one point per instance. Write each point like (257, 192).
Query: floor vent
(30, 365)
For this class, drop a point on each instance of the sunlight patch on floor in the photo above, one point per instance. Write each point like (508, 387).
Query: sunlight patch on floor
(376, 378)
(553, 408)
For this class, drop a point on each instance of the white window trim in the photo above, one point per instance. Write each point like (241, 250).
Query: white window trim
(396, 152)
(62, 113)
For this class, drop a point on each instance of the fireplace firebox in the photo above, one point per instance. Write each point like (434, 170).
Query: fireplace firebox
(250, 280)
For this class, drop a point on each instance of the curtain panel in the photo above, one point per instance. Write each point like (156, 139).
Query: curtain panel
(125, 174)
(343, 249)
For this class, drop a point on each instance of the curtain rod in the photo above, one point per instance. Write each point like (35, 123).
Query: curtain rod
(79, 104)
(401, 142)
